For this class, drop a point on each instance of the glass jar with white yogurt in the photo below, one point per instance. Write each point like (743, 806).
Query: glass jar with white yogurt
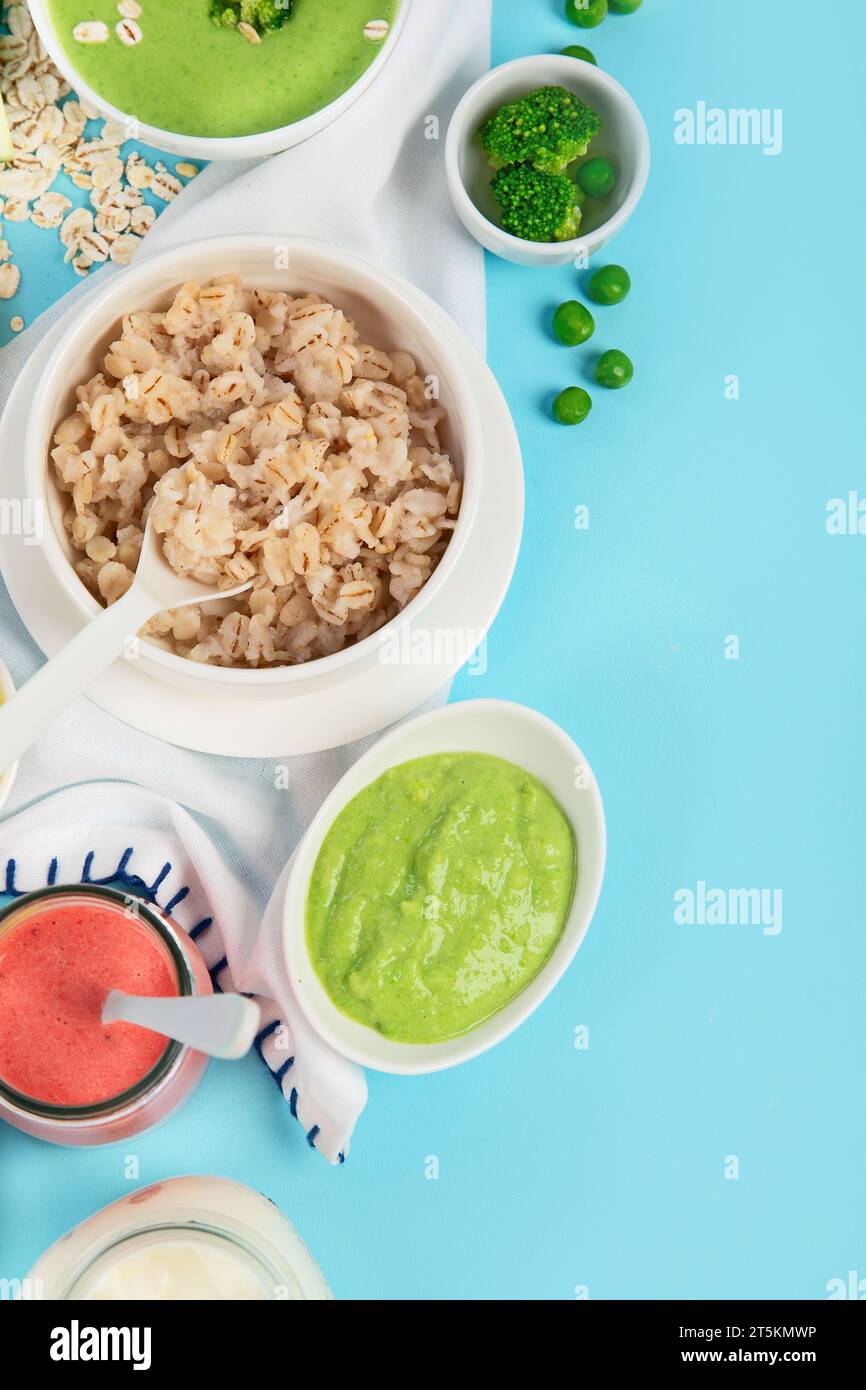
(191, 1238)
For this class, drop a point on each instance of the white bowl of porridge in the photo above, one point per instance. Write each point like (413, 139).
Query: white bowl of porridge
(288, 415)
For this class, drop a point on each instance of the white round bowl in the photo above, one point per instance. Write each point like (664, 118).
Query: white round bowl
(623, 140)
(388, 315)
(224, 147)
(504, 730)
(7, 775)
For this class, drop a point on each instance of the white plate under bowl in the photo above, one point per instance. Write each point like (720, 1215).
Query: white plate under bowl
(223, 147)
(325, 714)
(505, 730)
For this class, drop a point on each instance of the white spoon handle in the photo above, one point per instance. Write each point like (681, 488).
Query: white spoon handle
(60, 680)
(222, 1025)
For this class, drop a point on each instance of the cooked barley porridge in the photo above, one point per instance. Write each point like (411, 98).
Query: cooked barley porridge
(268, 443)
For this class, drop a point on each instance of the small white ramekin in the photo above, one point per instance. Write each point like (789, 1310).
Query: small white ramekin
(623, 140)
(504, 730)
(7, 776)
(228, 147)
(387, 314)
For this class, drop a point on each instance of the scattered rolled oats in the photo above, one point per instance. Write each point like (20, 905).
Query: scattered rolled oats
(75, 225)
(90, 31)
(94, 247)
(16, 181)
(19, 21)
(10, 279)
(48, 125)
(138, 171)
(186, 171)
(164, 185)
(102, 198)
(114, 132)
(29, 93)
(111, 221)
(50, 210)
(12, 49)
(16, 323)
(50, 128)
(90, 152)
(73, 115)
(141, 219)
(249, 33)
(16, 210)
(123, 248)
(128, 32)
(106, 172)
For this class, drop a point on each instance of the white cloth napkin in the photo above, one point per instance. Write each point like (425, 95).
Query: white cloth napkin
(373, 182)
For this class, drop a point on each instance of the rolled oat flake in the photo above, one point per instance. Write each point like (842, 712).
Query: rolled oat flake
(91, 31)
(128, 32)
(376, 30)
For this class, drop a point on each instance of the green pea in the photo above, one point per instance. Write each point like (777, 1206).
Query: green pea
(610, 284)
(625, 6)
(586, 14)
(596, 178)
(573, 324)
(572, 406)
(576, 50)
(613, 369)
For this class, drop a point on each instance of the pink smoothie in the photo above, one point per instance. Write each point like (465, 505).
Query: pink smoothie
(56, 967)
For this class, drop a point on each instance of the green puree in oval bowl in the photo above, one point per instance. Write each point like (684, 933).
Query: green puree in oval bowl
(439, 892)
(189, 76)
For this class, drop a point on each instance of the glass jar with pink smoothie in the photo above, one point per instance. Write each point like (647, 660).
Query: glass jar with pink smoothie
(65, 1076)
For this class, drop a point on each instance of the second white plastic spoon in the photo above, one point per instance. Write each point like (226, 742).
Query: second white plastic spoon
(156, 587)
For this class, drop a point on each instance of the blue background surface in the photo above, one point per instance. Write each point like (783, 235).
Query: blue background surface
(606, 1167)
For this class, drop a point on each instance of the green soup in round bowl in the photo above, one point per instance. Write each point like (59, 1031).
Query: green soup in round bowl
(191, 83)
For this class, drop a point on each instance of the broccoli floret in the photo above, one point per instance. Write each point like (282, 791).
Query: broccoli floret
(548, 128)
(265, 16)
(537, 206)
(225, 14)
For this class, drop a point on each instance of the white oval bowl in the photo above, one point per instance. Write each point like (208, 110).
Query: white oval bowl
(623, 140)
(217, 147)
(7, 776)
(505, 730)
(388, 315)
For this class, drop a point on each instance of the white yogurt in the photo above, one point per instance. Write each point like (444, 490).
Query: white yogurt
(183, 1269)
(185, 1239)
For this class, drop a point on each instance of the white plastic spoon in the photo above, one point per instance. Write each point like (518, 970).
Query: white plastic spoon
(222, 1025)
(47, 694)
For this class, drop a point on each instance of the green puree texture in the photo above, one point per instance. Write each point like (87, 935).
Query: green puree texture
(438, 894)
(189, 76)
